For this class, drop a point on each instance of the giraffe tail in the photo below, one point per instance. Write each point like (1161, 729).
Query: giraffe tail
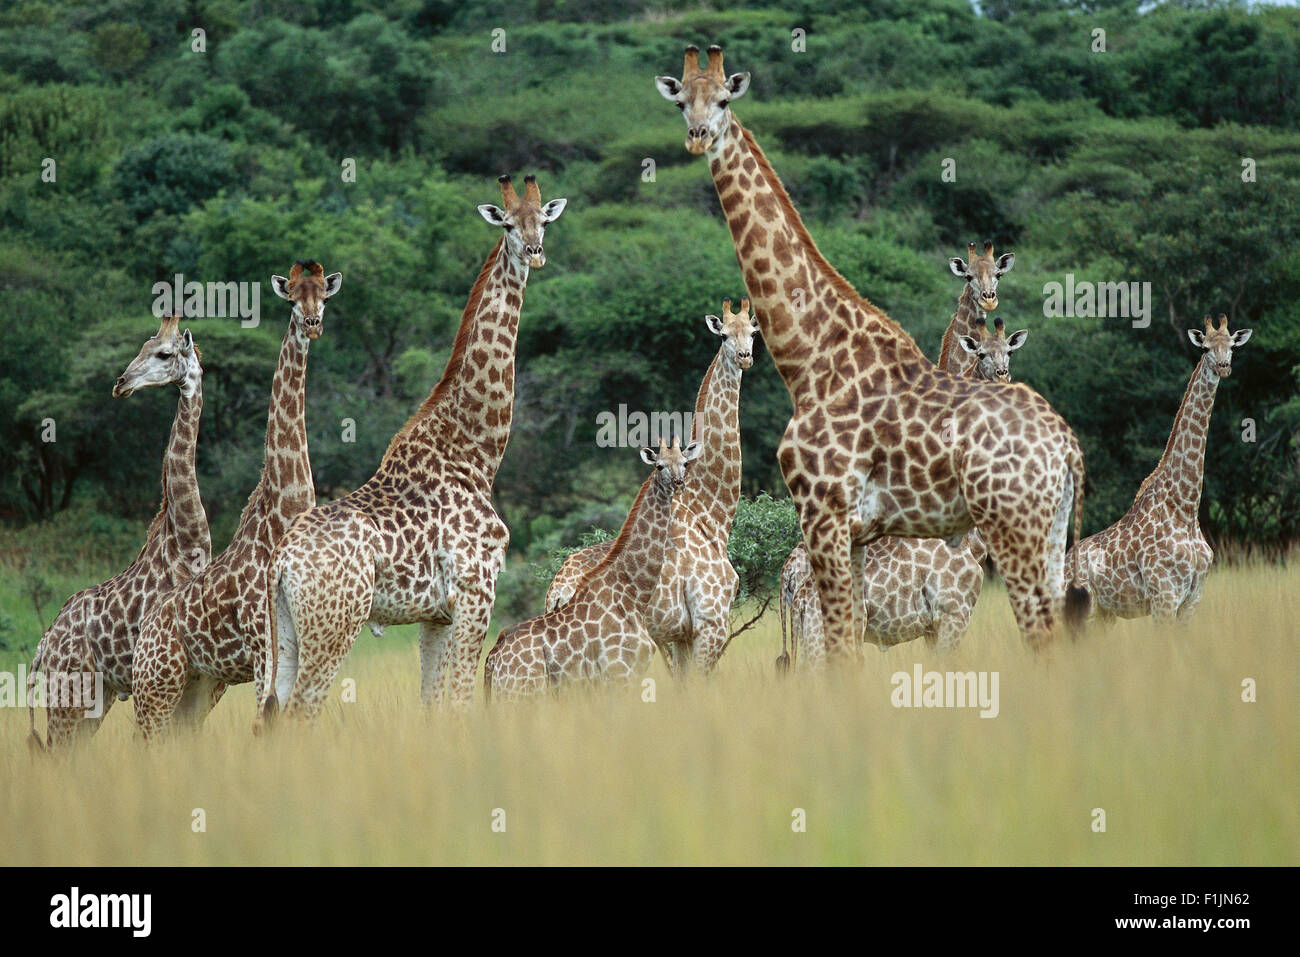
(1078, 601)
(785, 611)
(34, 742)
(266, 702)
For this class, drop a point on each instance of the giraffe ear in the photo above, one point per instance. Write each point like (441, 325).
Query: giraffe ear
(692, 452)
(1004, 263)
(281, 286)
(737, 84)
(551, 211)
(959, 267)
(668, 87)
(1197, 337)
(715, 325)
(650, 457)
(187, 342)
(494, 215)
(332, 283)
(969, 344)
(1017, 339)
(1241, 336)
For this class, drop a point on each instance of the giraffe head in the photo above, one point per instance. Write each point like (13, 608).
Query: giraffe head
(524, 220)
(703, 96)
(1219, 342)
(982, 273)
(308, 292)
(992, 351)
(169, 356)
(737, 331)
(670, 462)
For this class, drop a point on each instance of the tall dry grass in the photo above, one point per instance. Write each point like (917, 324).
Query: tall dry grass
(1147, 724)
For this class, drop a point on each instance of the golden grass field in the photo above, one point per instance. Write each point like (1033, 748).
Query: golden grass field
(1147, 724)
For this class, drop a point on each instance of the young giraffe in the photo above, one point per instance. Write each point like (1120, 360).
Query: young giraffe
(979, 296)
(992, 351)
(912, 587)
(97, 629)
(1154, 560)
(690, 614)
(601, 632)
(881, 442)
(420, 540)
(203, 636)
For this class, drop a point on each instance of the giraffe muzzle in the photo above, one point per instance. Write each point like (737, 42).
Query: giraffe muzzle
(989, 303)
(536, 257)
(698, 140)
(120, 388)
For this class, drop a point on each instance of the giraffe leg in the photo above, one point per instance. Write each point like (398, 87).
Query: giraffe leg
(472, 615)
(832, 558)
(1023, 566)
(160, 671)
(326, 609)
(713, 624)
(435, 657)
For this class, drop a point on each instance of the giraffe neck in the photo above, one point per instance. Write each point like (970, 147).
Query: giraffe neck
(783, 268)
(178, 535)
(468, 413)
(636, 558)
(951, 357)
(285, 488)
(1182, 466)
(714, 490)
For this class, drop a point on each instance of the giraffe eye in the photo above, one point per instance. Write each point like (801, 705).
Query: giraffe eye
(724, 103)
(165, 355)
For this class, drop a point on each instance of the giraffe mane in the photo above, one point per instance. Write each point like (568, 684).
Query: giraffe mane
(619, 543)
(815, 257)
(458, 350)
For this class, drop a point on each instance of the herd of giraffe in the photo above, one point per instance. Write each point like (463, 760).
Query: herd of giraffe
(906, 477)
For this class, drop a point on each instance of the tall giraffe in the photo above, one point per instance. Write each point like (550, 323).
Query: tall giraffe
(95, 633)
(881, 442)
(979, 296)
(202, 636)
(601, 632)
(420, 540)
(1155, 559)
(690, 614)
(912, 587)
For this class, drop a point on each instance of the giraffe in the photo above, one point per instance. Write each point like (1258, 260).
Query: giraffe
(991, 350)
(979, 296)
(690, 614)
(881, 442)
(601, 632)
(95, 633)
(202, 636)
(912, 587)
(1155, 559)
(420, 541)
